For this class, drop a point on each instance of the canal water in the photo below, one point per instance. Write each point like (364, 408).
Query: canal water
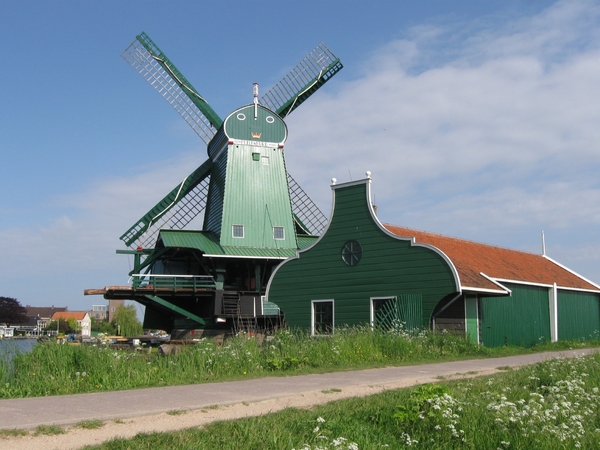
(10, 347)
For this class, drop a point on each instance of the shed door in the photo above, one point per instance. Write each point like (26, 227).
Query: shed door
(521, 319)
(404, 312)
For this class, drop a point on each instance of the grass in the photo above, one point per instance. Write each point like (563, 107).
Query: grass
(176, 412)
(51, 369)
(15, 432)
(331, 391)
(49, 430)
(547, 406)
(90, 424)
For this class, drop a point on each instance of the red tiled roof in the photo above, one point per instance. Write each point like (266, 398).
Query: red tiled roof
(472, 258)
(77, 315)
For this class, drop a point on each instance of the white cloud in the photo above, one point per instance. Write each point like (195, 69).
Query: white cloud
(487, 131)
(500, 137)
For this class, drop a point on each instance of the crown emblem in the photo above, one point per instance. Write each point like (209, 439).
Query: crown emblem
(256, 135)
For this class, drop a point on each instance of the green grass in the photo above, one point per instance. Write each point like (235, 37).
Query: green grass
(90, 424)
(547, 406)
(51, 369)
(49, 430)
(15, 432)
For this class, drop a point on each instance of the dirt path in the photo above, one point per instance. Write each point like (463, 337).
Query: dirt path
(76, 438)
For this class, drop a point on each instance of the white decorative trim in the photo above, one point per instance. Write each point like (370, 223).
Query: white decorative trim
(553, 312)
(492, 280)
(572, 271)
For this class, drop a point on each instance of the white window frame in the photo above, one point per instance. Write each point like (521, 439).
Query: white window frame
(233, 231)
(389, 297)
(312, 316)
(282, 233)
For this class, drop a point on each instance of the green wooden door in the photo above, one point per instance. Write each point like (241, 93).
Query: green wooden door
(521, 319)
(578, 315)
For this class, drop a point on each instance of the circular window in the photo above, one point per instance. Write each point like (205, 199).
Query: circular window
(241, 116)
(351, 253)
(270, 119)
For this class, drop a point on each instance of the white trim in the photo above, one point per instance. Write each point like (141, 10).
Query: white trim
(493, 280)
(572, 271)
(245, 257)
(553, 312)
(564, 288)
(371, 305)
(483, 290)
(413, 241)
(312, 316)
(528, 283)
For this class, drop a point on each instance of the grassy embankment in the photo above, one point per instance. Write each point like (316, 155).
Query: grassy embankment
(52, 369)
(547, 406)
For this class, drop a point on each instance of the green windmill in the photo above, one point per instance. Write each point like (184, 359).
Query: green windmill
(254, 214)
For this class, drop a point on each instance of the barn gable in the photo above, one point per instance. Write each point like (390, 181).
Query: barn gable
(355, 266)
(494, 295)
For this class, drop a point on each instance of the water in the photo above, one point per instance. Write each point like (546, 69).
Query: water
(10, 347)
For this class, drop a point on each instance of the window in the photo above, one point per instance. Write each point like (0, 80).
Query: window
(255, 156)
(265, 160)
(237, 231)
(351, 253)
(322, 314)
(278, 233)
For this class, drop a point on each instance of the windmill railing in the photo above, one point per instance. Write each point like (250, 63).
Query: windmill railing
(172, 282)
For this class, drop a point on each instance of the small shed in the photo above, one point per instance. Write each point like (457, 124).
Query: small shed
(361, 271)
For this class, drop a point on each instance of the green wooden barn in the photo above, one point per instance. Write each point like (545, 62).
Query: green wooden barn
(361, 271)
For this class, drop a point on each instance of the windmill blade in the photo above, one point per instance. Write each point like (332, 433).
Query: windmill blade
(152, 64)
(182, 205)
(305, 209)
(303, 81)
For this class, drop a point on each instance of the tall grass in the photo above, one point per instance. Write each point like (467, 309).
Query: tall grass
(551, 405)
(51, 369)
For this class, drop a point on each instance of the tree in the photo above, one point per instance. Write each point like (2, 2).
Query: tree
(62, 325)
(125, 320)
(11, 311)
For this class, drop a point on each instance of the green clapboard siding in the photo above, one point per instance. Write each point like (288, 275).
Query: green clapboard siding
(521, 319)
(389, 267)
(578, 315)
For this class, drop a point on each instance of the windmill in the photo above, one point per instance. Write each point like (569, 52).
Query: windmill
(254, 213)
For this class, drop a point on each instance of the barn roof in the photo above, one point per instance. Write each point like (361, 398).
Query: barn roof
(476, 263)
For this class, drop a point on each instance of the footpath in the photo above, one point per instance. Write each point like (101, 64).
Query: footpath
(220, 401)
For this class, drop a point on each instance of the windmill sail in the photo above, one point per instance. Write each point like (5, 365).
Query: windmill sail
(152, 64)
(182, 205)
(305, 209)
(303, 80)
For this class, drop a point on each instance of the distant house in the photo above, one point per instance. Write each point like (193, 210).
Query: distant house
(82, 318)
(6, 332)
(99, 312)
(360, 271)
(39, 317)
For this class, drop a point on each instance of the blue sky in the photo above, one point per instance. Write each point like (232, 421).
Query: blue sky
(478, 120)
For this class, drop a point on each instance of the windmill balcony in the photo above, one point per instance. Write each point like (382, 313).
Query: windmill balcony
(172, 282)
